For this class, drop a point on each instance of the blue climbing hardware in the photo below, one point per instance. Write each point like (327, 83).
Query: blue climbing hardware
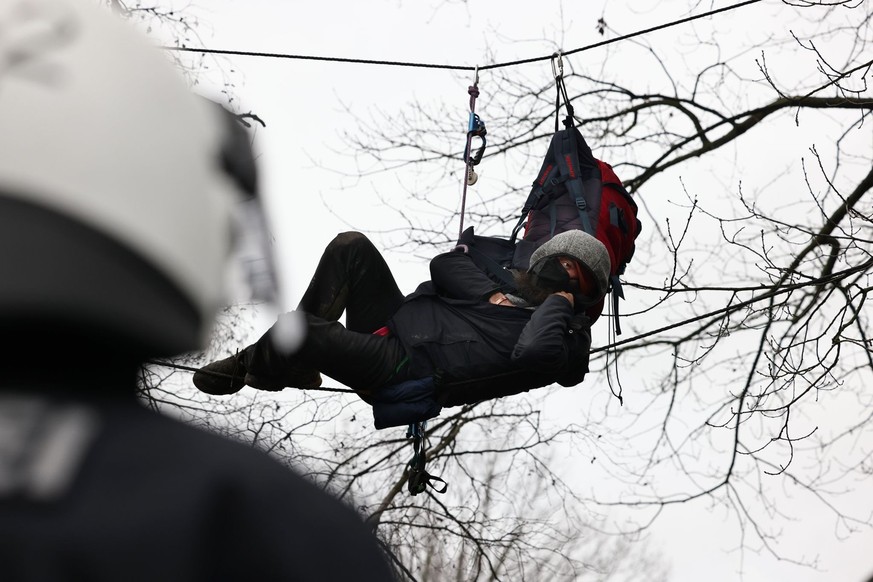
(475, 128)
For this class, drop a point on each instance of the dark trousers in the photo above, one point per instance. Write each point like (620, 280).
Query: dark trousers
(351, 277)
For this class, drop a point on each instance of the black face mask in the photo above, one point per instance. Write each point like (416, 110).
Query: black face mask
(551, 275)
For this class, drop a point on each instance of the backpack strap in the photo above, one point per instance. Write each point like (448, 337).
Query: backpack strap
(491, 254)
(553, 219)
(577, 185)
(544, 182)
(483, 260)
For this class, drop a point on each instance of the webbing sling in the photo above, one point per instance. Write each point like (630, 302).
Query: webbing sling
(419, 479)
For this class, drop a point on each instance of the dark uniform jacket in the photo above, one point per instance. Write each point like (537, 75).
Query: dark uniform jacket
(476, 350)
(105, 490)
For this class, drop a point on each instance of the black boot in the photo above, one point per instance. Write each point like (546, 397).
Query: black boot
(223, 377)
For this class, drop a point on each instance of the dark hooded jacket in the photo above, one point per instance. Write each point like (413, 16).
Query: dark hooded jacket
(476, 350)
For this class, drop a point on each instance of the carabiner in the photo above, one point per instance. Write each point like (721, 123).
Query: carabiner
(559, 72)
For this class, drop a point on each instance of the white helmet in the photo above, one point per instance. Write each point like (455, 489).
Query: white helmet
(116, 208)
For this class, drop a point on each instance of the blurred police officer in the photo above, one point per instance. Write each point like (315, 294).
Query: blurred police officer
(121, 195)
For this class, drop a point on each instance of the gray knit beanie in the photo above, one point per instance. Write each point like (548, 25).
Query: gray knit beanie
(581, 246)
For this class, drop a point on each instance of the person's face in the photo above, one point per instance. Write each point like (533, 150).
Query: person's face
(578, 277)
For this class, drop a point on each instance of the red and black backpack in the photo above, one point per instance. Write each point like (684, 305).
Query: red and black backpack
(574, 190)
